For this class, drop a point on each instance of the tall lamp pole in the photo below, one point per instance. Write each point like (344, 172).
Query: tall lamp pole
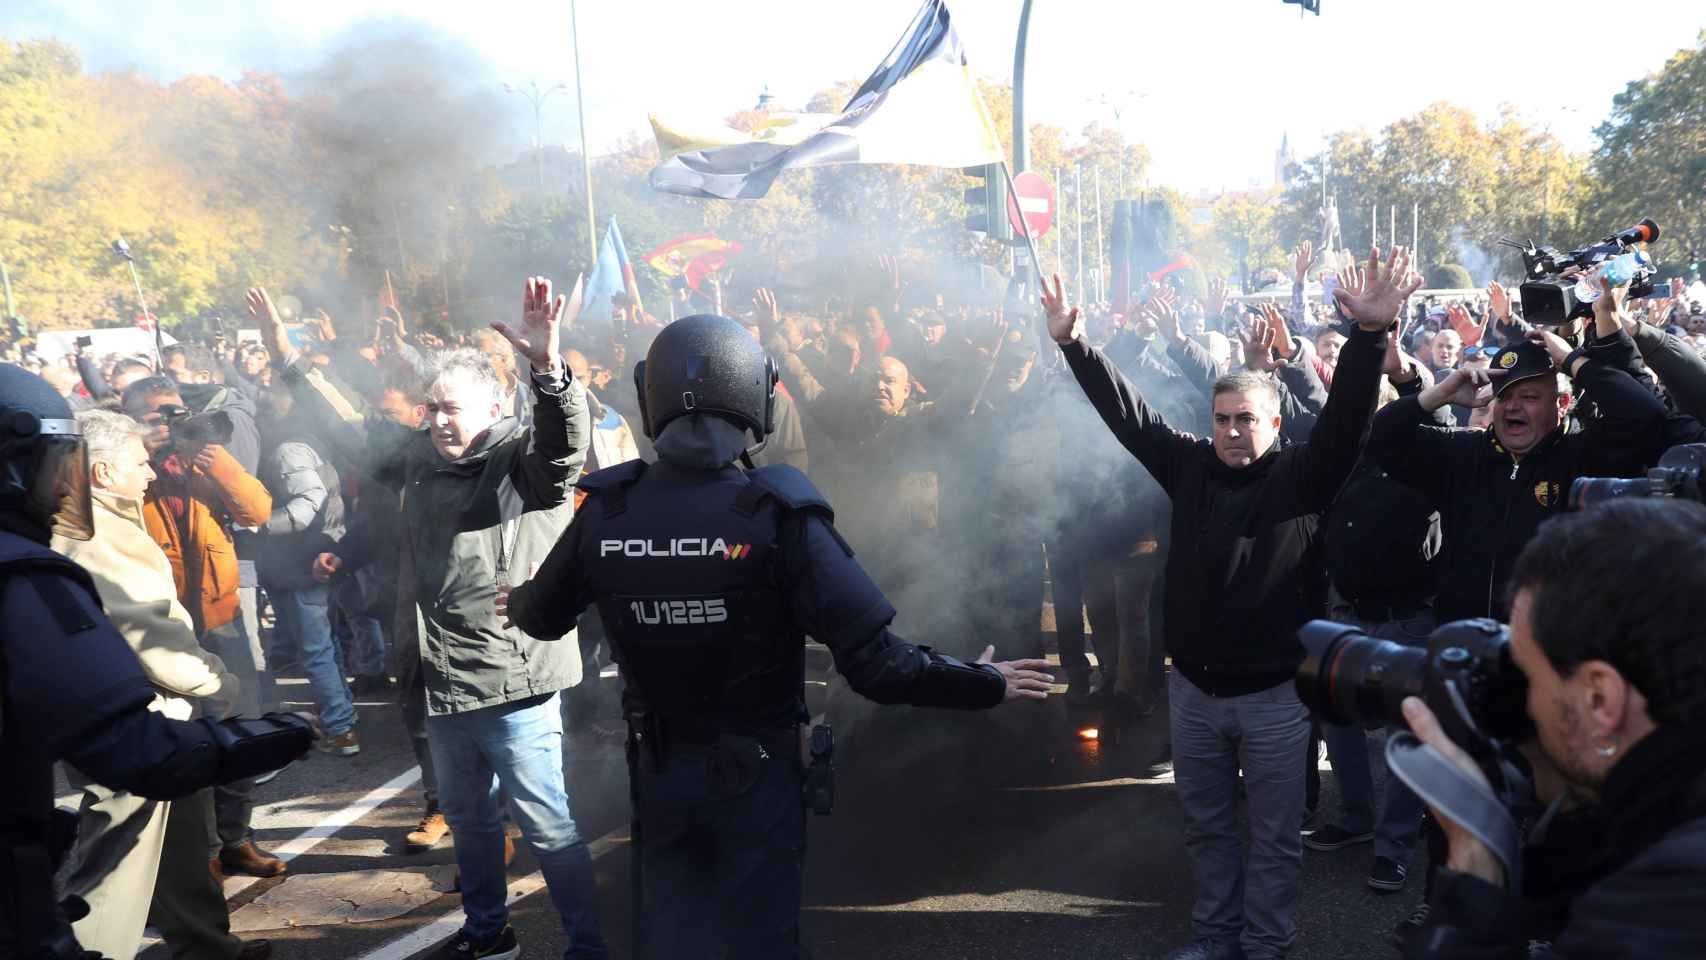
(537, 97)
(586, 155)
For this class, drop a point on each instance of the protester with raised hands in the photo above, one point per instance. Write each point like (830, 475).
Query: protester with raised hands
(485, 498)
(1493, 488)
(1245, 512)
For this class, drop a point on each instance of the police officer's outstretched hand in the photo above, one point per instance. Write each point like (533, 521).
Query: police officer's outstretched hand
(1026, 679)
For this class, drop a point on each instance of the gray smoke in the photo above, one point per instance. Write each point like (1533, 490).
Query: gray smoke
(1483, 267)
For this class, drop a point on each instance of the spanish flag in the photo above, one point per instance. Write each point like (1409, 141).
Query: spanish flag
(694, 256)
(920, 106)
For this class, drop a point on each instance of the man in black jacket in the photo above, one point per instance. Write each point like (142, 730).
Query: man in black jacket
(1243, 575)
(1606, 607)
(1494, 488)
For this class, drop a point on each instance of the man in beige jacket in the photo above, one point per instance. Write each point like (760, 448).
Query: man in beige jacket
(125, 842)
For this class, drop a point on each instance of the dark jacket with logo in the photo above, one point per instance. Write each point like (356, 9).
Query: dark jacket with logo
(1244, 572)
(1490, 503)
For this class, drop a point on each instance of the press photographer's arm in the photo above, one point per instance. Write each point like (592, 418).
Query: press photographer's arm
(1612, 664)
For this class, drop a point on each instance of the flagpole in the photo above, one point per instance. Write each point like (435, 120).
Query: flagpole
(1078, 219)
(1024, 226)
(586, 154)
(1059, 266)
(1100, 276)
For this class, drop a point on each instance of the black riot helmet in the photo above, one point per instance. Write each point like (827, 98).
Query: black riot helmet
(44, 472)
(706, 364)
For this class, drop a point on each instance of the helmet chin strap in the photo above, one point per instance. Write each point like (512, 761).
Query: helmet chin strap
(753, 451)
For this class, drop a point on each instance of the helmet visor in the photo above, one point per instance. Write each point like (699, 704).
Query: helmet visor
(59, 488)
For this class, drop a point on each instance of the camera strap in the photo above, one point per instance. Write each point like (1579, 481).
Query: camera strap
(1460, 798)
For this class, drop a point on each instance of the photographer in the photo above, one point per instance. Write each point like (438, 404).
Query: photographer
(1613, 664)
(199, 494)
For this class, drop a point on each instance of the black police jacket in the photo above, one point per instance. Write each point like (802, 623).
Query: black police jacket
(1491, 503)
(1244, 571)
(709, 580)
(70, 689)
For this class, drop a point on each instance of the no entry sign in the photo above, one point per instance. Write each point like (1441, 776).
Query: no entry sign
(1033, 199)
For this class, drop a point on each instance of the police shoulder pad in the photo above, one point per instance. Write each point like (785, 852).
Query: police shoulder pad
(610, 478)
(789, 486)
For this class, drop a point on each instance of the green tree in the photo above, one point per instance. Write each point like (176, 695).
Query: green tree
(1651, 160)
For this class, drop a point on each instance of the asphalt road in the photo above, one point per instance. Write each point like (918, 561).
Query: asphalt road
(990, 835)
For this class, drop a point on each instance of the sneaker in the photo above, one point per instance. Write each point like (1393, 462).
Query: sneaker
(1409, 927)
(432, 829)
(462, 947)
(345, 744)
(267, 777)
(1387, 875)
(1334, 837)
(1309, 824)
(1208, 950)
(1162, 765)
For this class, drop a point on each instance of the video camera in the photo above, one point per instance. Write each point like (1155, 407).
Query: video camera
(1465, 676)
(193, 431)
(1681, 473)
(1553, 300)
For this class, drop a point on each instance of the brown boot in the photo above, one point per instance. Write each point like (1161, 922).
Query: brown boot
(433, 828)
(250, 860)
(218, 872)
(509, 852)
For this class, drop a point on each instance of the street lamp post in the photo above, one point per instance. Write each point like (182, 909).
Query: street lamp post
(586, 155)
(537, 97)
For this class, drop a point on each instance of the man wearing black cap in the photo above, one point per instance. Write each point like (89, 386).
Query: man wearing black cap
(1493, 489)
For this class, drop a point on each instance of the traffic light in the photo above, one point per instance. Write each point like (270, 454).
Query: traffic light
(988, 203)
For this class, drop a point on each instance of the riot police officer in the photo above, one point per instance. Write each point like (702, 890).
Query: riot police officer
(708, 580)
(71, 688)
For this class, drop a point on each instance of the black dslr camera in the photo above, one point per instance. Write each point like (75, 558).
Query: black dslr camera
(1465, 676)
(1681, 473)
(193, 431)
(1551, 300)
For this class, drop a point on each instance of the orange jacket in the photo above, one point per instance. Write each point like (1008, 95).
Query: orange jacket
(204, 560)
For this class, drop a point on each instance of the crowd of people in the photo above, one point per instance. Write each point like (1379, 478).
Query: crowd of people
(1190, 478)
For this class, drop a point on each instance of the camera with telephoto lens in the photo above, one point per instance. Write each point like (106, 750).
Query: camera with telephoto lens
(1681, 474)
(193, 431)
(1550, 299)
(1465, 675)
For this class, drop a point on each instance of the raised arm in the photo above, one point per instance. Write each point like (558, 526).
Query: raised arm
(561, 424)
(1337, 439)
(1138, 426)
(377, 446)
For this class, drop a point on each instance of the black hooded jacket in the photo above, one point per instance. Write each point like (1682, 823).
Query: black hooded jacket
(1244, 572)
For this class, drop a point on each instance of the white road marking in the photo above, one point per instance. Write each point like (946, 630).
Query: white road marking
(444, 927)
(325, 825)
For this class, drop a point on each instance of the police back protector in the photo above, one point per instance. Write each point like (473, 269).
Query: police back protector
(688, 569)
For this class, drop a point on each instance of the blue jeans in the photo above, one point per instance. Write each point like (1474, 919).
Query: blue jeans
(1400, 820)
(303, 625)
(1241, 895)
(518, 746)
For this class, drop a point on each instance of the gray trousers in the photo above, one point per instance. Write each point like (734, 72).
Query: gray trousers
(233, 803)
(1242, 895)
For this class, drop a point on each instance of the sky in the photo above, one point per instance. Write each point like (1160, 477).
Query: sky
(1210, 86)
